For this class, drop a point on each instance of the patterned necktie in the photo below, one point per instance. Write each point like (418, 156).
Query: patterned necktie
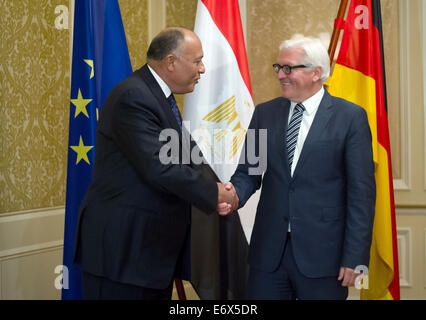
(293, 131)
(173, 104)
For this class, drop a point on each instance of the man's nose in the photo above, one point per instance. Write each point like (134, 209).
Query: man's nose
(202, 68)
(281, 74)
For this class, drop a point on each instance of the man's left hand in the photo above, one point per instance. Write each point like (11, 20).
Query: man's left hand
(347, 276)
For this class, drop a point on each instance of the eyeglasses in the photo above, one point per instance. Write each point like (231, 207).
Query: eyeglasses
(286, 68)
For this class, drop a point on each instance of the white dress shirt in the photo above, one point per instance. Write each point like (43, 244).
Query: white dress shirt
(166, 90)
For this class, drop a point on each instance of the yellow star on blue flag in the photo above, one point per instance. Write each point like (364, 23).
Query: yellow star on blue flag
(80, 104)
(82, 151)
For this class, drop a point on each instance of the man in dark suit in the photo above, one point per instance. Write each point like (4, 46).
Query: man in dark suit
(134, 221)
(314, 219)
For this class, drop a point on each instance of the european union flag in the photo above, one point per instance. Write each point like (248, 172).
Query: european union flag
(100, 60)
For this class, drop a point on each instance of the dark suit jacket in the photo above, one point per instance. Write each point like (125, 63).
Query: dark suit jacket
(330, 199)
(134, 219)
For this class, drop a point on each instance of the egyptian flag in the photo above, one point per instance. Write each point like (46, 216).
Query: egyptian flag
(217, 115)
(359, 76)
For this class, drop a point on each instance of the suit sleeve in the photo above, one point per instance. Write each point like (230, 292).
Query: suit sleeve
(136, 130)
(361, 192)
(247, 178)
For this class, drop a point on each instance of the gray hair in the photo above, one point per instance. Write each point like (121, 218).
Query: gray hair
(168, 41)
(316, 53)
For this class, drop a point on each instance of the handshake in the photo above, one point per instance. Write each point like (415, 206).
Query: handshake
(227, 201)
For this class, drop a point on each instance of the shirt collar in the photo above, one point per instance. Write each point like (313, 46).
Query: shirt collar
(312, 103)
(164, 87)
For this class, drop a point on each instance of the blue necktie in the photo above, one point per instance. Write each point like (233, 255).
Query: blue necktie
(293, 131)
(173, 104)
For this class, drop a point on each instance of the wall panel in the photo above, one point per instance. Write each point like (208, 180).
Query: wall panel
(30, 248)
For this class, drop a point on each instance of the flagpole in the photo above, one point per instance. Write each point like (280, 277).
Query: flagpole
(180, 289)
(338, 25)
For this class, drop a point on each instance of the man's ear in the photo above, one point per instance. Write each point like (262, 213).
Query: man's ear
(317, 74)
(170, 62)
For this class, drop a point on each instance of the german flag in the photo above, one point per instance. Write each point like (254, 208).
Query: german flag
(359, 76)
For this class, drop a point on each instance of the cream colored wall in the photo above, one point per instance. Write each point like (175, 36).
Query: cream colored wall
(34, 109)
(30, 249)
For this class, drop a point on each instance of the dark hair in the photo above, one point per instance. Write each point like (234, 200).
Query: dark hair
(166, 42)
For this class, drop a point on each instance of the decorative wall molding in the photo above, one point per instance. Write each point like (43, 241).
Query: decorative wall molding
(404, 182)
(405, 256)
(31, 214)
(1, 286)
(31, 250)
(423, 4)
(424, 258)
(31, 245)
(410, 211)
(243, 13)
(32, 231)
(71, 31)
(31, 275)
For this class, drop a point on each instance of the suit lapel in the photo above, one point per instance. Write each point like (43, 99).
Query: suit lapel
(159, 95)
(321, 119)
(282, 132)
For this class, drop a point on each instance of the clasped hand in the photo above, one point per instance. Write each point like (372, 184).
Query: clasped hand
(227, 198)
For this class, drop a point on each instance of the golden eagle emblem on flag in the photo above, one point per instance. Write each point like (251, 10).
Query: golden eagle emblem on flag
(227, 111)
